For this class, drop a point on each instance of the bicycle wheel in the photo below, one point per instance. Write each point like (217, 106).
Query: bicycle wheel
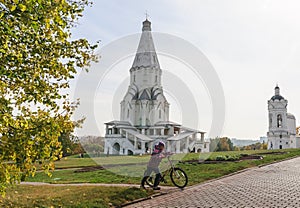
(150, 180)
(179, 177)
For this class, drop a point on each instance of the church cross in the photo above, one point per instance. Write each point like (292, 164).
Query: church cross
(147, 15)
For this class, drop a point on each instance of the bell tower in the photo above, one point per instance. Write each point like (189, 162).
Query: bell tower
(277, 107)
(279, 134)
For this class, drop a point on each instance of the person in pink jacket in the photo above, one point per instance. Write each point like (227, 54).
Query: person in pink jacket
(156, 157)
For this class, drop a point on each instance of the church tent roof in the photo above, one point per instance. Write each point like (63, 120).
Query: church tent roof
(146, 55)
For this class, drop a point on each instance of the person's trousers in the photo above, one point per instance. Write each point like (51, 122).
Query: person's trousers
(147, 174)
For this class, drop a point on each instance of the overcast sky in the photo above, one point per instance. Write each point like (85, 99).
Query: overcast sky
(251, 44)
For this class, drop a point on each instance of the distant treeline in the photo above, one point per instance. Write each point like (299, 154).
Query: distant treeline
(225, 144)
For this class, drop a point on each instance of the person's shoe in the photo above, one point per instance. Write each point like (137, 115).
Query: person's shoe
(142, 187)
(156, 188)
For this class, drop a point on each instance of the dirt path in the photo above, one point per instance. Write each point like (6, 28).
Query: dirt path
(163, 188)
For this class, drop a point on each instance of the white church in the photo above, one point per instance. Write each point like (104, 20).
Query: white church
(282, 132)
(144, 118)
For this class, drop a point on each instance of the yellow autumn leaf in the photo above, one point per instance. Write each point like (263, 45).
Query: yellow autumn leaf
(22, 7)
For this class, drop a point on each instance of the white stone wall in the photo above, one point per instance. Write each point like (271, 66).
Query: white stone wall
(283, 142)
(297, 141)
(291, 123)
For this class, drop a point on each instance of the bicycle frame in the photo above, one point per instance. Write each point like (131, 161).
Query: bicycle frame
(167, 172)
(170, 162)
(177, 175)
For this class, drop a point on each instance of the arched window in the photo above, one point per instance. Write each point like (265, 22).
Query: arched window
(134, 78)
(279, 121)
(155, 78)
(116, 149)
(159, 113)
(128, 113)
(148, 122)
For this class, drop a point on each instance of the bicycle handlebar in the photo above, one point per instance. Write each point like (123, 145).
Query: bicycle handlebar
(168, 154)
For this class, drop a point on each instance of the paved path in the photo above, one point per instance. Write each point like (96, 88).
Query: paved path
(276, 185)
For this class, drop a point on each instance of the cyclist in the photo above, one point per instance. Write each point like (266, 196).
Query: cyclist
(156, 157)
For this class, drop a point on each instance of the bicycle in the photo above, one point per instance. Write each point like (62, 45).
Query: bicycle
(178, 176)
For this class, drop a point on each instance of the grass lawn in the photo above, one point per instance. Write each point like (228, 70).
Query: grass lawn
(70, 196)
(69, 176)
(71, 162)
(40, 196)
(196, 172)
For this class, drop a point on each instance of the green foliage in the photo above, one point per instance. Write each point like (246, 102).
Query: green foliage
(220, 158)
(228, 157)
(37, 60)
(233, 157)
(70, 143)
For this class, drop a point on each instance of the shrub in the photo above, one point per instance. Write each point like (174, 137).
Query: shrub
(220, 158)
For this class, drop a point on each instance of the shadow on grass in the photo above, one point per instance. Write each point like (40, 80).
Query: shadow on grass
(129, 195)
